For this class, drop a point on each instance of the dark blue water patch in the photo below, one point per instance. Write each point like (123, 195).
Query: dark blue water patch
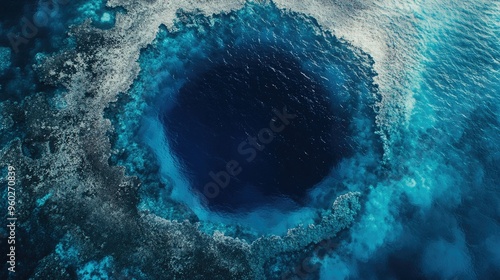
(255, 125)
(13, 10)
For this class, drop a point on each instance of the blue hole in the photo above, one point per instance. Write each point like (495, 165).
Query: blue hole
(248, 119)
(255, 126)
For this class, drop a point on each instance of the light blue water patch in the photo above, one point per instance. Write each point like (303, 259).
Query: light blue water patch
(41, 201)
(102, 17)
(97, 270)
(67, 252)
(448, 259)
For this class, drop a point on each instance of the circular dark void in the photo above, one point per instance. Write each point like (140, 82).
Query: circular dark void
(254, 126)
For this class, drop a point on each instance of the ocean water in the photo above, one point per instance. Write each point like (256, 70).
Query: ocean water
(233, 140)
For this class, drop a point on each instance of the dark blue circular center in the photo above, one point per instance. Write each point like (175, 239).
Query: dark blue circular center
(252, 126)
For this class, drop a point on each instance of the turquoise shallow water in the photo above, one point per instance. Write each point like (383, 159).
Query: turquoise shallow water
(418, 138)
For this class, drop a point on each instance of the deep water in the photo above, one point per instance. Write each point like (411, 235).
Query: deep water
(254, 107)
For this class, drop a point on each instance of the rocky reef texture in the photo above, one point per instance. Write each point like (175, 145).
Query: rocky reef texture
(78, 214)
